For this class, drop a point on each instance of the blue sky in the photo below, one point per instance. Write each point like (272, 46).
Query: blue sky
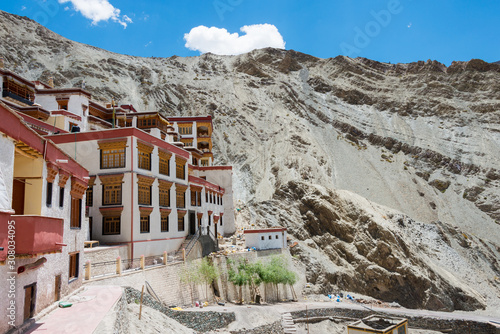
(390, 30)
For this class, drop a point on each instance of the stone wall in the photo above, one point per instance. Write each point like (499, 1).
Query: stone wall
(167, 284)
(230, 292)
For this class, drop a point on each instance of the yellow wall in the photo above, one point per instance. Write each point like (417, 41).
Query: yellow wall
(25, 167)
(59, 121)
(33, 197)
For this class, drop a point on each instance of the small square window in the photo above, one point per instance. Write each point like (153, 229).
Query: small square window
(270, 237)
(262, 238)
(277, 236)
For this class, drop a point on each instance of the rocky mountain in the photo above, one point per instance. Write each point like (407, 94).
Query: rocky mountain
(387, 175)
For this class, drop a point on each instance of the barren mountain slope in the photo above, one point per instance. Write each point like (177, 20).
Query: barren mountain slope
(421, 138)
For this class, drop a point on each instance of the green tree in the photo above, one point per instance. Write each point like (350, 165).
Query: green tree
(207, 273)
(190, 275)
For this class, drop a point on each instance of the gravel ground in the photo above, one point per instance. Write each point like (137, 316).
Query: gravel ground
(199, 321)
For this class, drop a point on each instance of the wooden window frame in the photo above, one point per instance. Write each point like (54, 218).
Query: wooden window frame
(74, 266)
(111, 225)
(112, 189)
(113, 154)
(164, 222)
(76, 213)
(181, 223)
(180, 168)
(145, 226)
(193, 197)
(164, 193)
(144, 155)
(89, 197)
(164, 163)
(180, 196)
(144, 190)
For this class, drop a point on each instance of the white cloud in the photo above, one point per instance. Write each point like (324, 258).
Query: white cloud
(221, 42)
(23, 8)
(148, 44)
(409, 25)
(98, 10)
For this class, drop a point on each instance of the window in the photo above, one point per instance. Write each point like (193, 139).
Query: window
(61, 197)
(198, 198)
(144, 223)
(73, 125)
(144, 194)
(180, 223)
(193, 197)
(270, 237)
(112, 154)
(164, 197)
(76, 213)
(144, 155)
(262, 238)
(111, 225)
(206, 197)
(144, 189)
(402, 329)
(164, 162)
(48, 200)
(164, 192)
(277, 236)
(180, 191)
(180, 170)
(204, 162)
(209, 220)
(62, 104)
(90, 196)
(186, 129)
(74, 264)
(164, 222)
(112, 194)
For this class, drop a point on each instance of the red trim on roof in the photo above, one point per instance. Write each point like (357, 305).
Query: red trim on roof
(18, 77)
(117, 133)
(266, 230)
(13, 126)
(189, 119)
(204, 183)
(201, 168)
(66, 113)
(31, 120)
(63, 90)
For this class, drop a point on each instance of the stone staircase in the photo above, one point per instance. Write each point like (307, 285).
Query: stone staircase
(288, 324)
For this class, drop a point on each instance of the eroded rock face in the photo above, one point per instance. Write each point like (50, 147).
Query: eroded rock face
(377, 251)
(421, 138)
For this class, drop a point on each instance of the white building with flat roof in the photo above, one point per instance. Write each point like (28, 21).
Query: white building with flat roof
(266, 238)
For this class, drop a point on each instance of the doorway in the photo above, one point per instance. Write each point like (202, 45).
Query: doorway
(57, 289)
(29, 301)
(192, 222)
(18, 196)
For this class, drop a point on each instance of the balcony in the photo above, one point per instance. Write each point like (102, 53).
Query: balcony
(38, 235)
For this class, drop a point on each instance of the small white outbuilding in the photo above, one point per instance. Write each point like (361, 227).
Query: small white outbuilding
(266, 238)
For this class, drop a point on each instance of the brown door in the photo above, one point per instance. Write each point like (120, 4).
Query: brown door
(57, 291)
(18, 197)
(29, 301)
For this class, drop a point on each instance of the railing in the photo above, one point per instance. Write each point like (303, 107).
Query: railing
(187, 249)
(120, 266)
(6, 93)
(192, 242)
